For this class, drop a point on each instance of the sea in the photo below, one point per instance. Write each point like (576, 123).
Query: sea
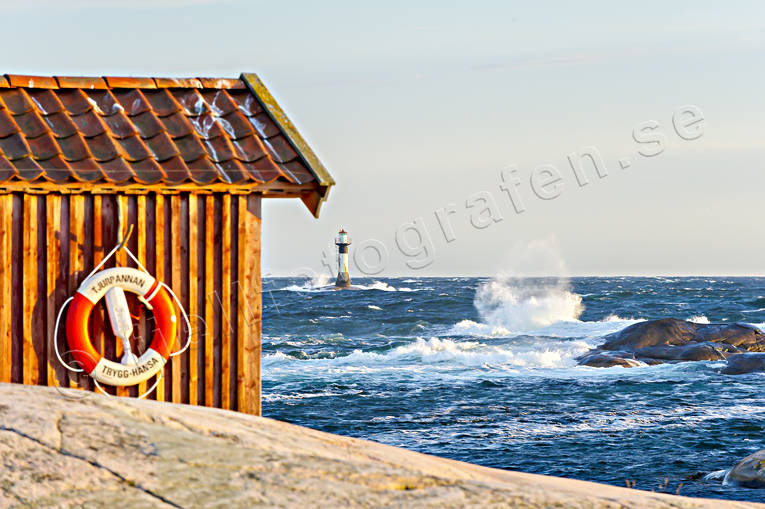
(484, 370)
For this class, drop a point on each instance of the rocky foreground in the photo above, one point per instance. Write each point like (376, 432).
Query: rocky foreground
(67, 448)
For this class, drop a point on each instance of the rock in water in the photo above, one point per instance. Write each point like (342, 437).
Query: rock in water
(745, 363)
(750, 471)
(673, 340)
(610, 359)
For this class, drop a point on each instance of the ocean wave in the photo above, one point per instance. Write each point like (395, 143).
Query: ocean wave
(717, 475)
(471, 328)
(699, 319)
(312, 287)
(377, 285)
(273, 397)
(612, 318)
(305, 288)
(677, 417)
(447, 354)
(520, 305)
(564, 329)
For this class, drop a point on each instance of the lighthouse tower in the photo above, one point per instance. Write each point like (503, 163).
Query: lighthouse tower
(342, 242)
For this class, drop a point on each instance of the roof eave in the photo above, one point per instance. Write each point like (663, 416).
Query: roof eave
(324, 180)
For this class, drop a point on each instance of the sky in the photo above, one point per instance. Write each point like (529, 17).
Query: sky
(417, 109)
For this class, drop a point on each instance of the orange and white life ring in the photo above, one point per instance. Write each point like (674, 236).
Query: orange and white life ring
(151, 292)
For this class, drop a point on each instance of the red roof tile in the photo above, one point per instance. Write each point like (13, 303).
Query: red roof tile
(128, 82)
(149, 131)
(178, 83)
(80, 82)
(18, 80)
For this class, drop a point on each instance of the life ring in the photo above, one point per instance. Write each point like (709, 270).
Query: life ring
(152, 293)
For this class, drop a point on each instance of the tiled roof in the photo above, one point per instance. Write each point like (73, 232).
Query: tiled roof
(149, 131)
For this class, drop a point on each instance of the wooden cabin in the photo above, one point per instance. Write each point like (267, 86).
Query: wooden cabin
(187, 162)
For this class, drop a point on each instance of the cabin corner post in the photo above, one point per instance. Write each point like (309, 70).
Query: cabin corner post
(250, 310)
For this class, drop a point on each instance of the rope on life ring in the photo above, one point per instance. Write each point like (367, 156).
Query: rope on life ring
(154, 294)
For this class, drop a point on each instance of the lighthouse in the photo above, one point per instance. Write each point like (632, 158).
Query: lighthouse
(342, 242)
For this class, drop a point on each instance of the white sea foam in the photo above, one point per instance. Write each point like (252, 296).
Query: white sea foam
(271, 397)
(471, 328)
(676, 417)
(319, 280)
(443, 354)
(307, 287)
(616, 318)
(377, 285)
(717, 475)
(320, 285)
(699, 319)
(568, 329)
(372, 306)
(518, 305)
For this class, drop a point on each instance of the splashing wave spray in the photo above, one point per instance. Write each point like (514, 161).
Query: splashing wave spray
(520, 304)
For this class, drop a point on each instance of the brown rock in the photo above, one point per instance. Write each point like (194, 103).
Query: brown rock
(745, 363)
(750, 471)
(672, 340)
(610, 359)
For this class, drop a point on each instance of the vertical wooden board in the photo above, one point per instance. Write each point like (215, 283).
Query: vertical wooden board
(86, 245)
(109, 219)
(200, 327)
(121, 219)
(64, 284)
(233, 307)
(40, 319)
(217, 323)
(210, 299)
(159, 250)
(96, 325)
(140, 237)
(244, 371)
(17, 284)
(193, 309)
(150, 262)
(168, 272)
(6, 287)
(249, 305)
(175, 284)
(121, 228)
(183, 328)
(56, 291)
(133, 303)
(76, 263)
(31, 313)
(225, 304)
(254, 206)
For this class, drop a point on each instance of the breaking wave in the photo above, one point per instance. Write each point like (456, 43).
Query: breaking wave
(518, 305)
(321, 285)
(445, 354)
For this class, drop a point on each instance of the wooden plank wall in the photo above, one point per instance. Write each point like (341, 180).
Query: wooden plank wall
(206, 247)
